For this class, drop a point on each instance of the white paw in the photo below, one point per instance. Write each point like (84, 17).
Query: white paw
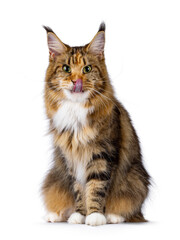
(53, 217)
(76, 218)
(114, 218)
(95, 219)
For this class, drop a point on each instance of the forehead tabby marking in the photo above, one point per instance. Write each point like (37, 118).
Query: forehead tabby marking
(77, 56)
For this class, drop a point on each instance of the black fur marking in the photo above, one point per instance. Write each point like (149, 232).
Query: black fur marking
(114, 156)
(94, 158)
(101, 194)
(84, 61)
(95, 211)
(72, 59)
(97, 200)
(63, 131)
(102, 155)
(79, 199)
(48, 29)
(94, 208)
(102, 27)
(76, 194)
(80, 211)
(102, 176)
(104, 209)
(100, 74)
(56, 69)
(52, 86)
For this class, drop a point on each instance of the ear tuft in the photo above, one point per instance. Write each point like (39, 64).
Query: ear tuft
(48, 29)
(102, 27)
(96, 46)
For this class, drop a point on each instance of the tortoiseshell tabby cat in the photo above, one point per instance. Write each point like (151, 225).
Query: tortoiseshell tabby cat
(97, 175)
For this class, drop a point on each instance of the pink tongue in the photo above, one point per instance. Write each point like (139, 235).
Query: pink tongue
(78, 86)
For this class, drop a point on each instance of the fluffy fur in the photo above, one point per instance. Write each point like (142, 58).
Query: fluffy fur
(97, 170)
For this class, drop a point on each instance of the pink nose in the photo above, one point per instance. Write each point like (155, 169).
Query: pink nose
(78, 84)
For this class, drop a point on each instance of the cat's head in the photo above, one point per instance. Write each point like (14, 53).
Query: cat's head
(76, 73)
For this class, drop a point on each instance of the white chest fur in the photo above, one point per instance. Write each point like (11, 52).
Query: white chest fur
(70, 116)
(80, 173)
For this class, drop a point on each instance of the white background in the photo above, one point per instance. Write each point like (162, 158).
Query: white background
(143, 59)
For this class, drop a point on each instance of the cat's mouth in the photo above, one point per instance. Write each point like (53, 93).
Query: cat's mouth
(78, 86)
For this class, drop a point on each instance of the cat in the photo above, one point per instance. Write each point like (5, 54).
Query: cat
(97, 176)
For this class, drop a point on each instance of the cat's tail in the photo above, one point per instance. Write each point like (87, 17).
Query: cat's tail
(137, 218)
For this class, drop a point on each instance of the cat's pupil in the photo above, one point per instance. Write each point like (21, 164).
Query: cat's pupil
(66, 68)
(87, 69)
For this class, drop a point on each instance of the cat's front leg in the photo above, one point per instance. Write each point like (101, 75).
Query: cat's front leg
(78, 217)
(97, 184)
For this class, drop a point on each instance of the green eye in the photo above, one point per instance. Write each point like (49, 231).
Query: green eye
(66, 68)
(87, 69)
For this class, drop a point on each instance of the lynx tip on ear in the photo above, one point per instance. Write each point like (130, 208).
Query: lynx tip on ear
(102, 27)
(48, 29)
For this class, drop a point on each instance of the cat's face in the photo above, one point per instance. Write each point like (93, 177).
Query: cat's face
(76, 73)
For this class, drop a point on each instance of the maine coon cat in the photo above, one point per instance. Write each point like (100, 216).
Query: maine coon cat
(97, 176)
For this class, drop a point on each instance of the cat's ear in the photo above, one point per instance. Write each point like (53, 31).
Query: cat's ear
(56, 46)
(96, 46)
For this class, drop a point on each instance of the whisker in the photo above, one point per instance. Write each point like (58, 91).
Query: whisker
(107, 98)
(100, 88)
(100, 98)
(93, 94)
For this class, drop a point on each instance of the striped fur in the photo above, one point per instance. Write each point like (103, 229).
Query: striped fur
(97, 163)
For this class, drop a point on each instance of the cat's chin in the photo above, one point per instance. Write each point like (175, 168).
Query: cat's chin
(76, 96)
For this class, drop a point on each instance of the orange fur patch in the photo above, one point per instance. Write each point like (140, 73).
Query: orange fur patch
(57, 200)
(123, 206)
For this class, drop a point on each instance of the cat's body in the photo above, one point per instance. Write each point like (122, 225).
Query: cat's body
(97, 174)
